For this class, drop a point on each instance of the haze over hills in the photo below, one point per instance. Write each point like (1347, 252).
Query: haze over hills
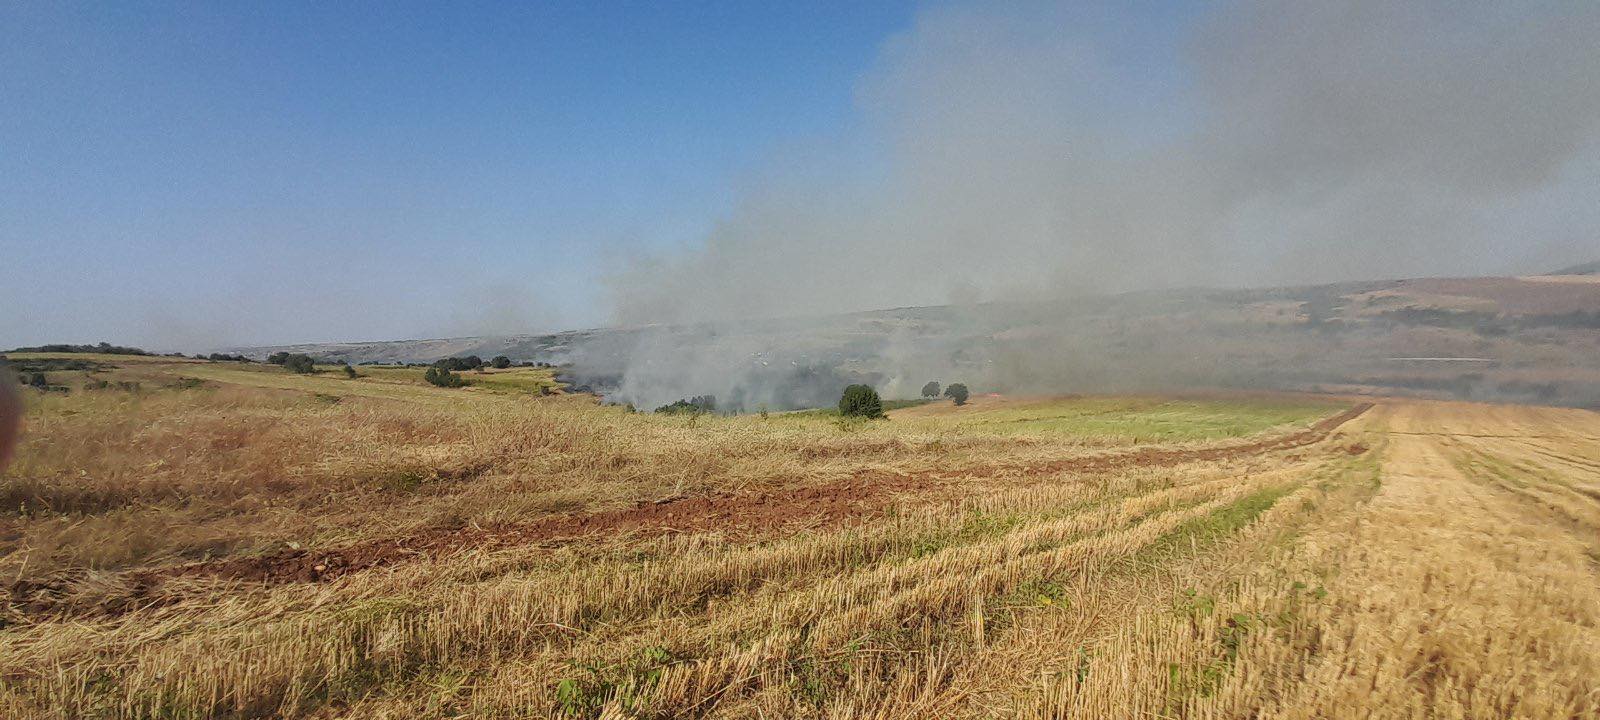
(1534, 339)
(1588, 268)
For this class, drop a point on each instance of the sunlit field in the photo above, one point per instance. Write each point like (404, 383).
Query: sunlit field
(233, 540)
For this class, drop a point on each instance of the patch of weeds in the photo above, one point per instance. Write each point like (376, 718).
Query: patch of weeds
(449, 691)
(1192, 604)
(371, 662)
(187, 383)
(404, 479)
(1041, 593)
(379, 609)
(123, 385)
(814, 682)
(597, 683)
(850, 423)
(329, 399)
(1231, 632)
(1219, 524)
(977, 526)
(1085, 659)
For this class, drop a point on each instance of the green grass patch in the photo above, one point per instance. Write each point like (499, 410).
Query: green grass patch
(1149, 419)
(1218, 524)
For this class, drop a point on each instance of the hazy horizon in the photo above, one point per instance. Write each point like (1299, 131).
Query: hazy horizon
(188, 178)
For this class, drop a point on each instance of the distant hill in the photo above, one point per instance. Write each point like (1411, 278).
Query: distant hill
(1589, 268)
(1533, 339)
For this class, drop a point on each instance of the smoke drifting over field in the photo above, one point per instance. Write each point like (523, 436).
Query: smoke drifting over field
(1020, 152)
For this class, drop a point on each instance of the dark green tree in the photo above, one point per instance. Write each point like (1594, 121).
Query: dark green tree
(860, 401)
(931, 390)
(278, 358)
(500, 362)
(957, 392)
(443, 378)
(300, 363)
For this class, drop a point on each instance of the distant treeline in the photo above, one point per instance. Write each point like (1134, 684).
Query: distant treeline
(101, 348)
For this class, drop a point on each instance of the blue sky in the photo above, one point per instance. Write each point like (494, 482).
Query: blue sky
(197, 175)
(201, 173)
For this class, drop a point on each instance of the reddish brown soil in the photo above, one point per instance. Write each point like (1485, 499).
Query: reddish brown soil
(761, 513)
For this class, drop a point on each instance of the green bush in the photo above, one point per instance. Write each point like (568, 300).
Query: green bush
(350, 372)
(443, 378)
(300, 363)
(957, 392)
(860, 401)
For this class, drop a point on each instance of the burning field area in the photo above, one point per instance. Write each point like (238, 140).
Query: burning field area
(185, 540)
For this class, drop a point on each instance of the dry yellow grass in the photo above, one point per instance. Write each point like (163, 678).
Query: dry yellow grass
(1424, 560)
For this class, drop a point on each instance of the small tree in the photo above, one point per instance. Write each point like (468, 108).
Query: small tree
(860, 401)
(278, 358)
(931, 390)
(300, 363)
(350, 372)
(957, 392)
(500, 362)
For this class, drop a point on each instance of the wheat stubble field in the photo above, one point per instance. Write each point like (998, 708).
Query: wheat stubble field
(226, 540)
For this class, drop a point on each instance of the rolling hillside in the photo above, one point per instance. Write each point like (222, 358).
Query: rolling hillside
(1531, 339)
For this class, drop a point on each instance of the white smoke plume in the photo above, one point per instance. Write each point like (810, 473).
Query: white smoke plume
(1018, 151)
(1306, 142)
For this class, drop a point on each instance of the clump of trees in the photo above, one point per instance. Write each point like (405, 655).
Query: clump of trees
(931, 390)
(470, 362)
(224, 357)
(500, 362)
(102, 348)
(692, 406)
(957, 392)
(442, 377)
(860, 401)
(294, 362)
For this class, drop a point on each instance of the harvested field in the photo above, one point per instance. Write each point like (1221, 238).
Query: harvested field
(268, 545)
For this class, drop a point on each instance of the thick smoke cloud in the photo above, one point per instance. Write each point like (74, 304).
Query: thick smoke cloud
(1020, 152)
(1015, 152)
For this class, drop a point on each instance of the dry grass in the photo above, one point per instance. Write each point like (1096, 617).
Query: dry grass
(1425, 560)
